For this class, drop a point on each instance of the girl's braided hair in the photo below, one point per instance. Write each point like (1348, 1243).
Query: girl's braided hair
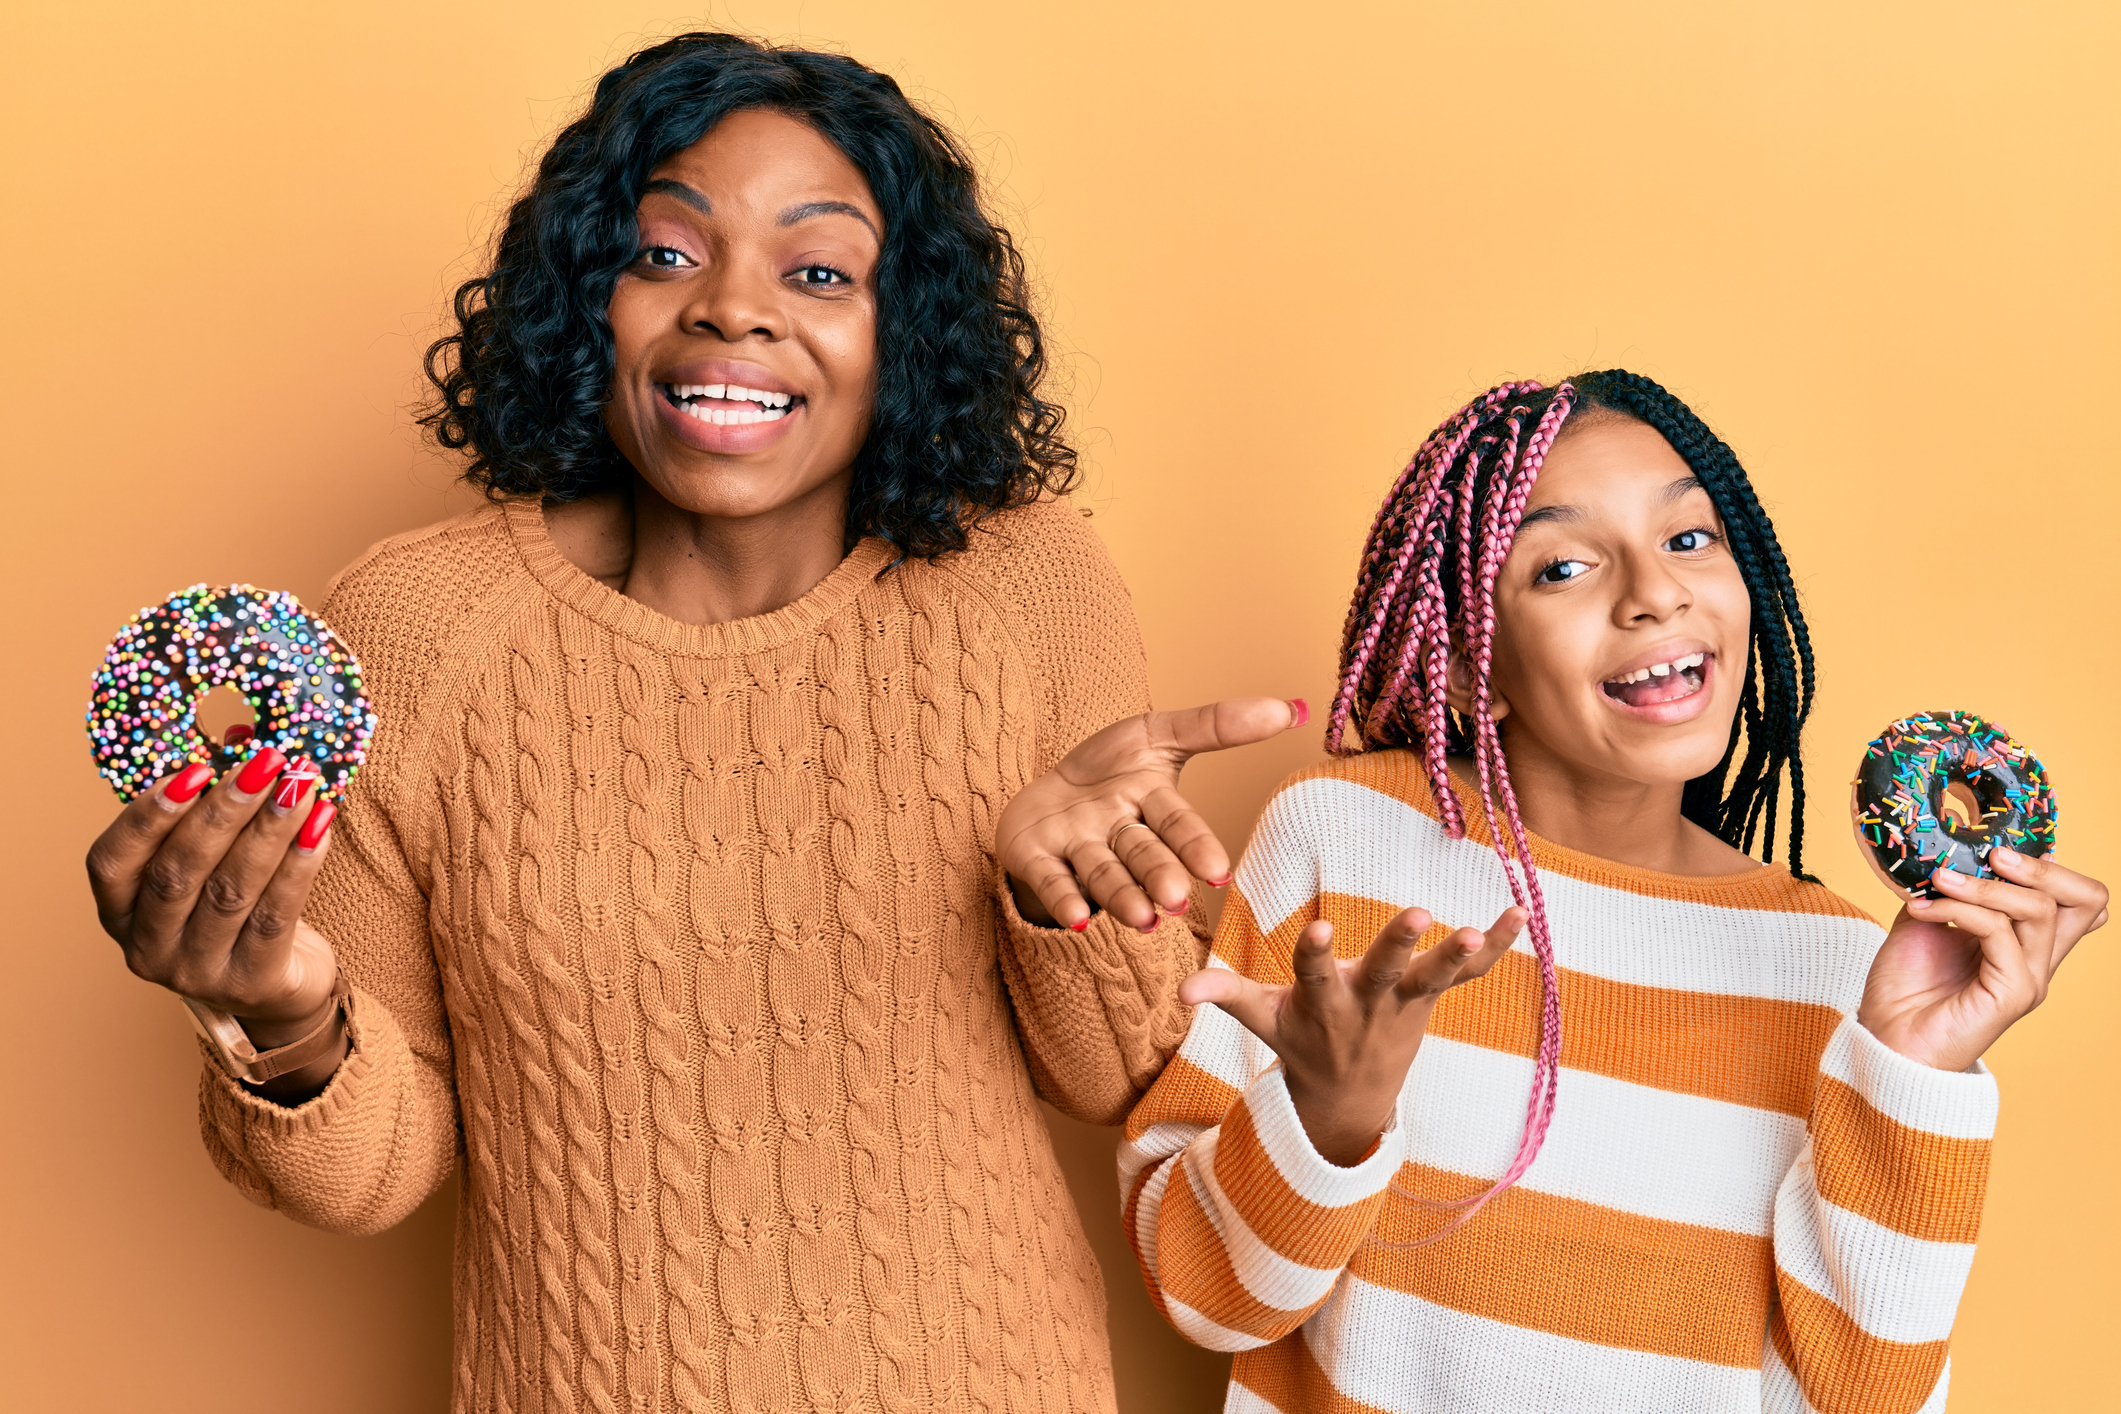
(1427, 585)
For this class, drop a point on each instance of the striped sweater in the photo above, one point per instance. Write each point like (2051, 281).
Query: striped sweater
(1746, 1201)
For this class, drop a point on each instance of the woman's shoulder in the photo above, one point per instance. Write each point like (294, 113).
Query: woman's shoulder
(1037, 554)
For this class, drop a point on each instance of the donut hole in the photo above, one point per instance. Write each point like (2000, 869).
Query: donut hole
(220, 708)
(1960, 806)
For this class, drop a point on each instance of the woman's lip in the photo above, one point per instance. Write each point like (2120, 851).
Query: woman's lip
(1668, 714)
(726, 438)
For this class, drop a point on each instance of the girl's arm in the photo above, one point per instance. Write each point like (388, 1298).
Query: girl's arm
(1259, 1160)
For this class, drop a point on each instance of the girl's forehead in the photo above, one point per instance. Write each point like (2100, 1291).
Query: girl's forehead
(1613, 465)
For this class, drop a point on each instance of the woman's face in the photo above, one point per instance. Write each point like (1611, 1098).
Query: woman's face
(746, 326)
(1622, 623)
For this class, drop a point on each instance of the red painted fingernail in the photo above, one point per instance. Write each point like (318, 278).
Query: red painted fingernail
(1222, 883)
(316, 826)
(188, 783)
(238, 734)
(1302, 709)
(295, 782)
(259, 770)
(1078, 925)
(1183, 905)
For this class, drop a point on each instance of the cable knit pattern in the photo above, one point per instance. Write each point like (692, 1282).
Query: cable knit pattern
(689, 941)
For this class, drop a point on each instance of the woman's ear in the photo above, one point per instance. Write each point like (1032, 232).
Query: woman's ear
(1458, 689)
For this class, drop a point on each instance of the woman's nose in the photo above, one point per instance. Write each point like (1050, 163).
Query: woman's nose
(734, 305)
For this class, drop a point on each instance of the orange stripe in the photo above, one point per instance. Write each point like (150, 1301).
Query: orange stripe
(1579, 1270)
(1843, 1368)
(1196, 1269)
(1183, 1094)
(1285, 1375)
(1291, 1224)
(1754, 1051)
(1398, 773)
(1925, 1185)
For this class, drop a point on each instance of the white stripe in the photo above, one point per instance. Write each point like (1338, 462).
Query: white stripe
(1678, 1158)
(1782, 1394)
(1272, 1279)
(1278, 873)
(1957, 1104)
(1155, 1144)
(1307, 1172)
(1894, 1286)
(1203, 1332)
(1146, 1214)
(1239, 1400)
(1401, 1353)
(1391, 852)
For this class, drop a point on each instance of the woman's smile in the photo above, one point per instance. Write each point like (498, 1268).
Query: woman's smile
(720, 405)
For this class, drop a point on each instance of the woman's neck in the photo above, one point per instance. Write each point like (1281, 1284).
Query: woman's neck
(1627, 821)
(702, 569)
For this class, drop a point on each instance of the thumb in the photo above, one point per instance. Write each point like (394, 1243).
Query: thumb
(1234, 721)
(1253, 1005)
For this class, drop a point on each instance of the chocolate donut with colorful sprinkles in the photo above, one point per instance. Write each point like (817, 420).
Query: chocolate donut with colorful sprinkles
(1921, 765)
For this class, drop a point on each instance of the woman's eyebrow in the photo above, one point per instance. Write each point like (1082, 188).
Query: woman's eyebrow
(828, 208)
(670, 186)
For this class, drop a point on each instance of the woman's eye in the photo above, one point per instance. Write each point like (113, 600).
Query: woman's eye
(663, 257)
(820, 276)
(1689, 541)
(1560, 572)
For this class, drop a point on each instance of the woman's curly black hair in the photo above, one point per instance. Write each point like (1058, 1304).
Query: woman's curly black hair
(958, 430)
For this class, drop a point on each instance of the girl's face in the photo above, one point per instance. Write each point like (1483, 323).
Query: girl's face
(746, 326)
(1622, 623)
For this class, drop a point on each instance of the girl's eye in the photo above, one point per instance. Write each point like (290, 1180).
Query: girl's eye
(818, 277)
(663, 257)
(1690, 541)
(1560, 572)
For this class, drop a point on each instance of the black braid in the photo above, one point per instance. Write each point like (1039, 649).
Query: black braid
(1777, 696)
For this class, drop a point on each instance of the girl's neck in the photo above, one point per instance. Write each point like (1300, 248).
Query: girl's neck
(701, 569)
(1630, 822)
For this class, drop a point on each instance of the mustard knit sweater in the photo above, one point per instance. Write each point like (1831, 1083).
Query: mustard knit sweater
(688, 941)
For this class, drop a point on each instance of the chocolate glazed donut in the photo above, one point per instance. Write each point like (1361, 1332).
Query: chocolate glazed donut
(1902, 787)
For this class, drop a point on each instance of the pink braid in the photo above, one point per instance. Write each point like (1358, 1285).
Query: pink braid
(1396, 657)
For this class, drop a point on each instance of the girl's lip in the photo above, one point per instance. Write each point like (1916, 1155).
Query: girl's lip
(1668, 714)
(725, 438)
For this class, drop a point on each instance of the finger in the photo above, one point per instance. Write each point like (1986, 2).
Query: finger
(234, 887)
(1318, 974)
(1186, 835)
(1254, 1006)
(2081, 899)
(259, 953)
(1465, 955)
(123, 850)
(170, 884)
(1100, 874)
(1390, 952)
(1994, 933)
(1149, 859)
(1048, 875)
(1217, 726)
(2027, 905)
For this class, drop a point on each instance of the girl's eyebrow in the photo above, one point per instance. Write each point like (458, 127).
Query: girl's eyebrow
(1565, 514)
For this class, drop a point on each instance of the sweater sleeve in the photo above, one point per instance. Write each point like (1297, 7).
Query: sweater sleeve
(382, 1136)
(1874, 1230)
(1241, 1227)
(1098, 1010)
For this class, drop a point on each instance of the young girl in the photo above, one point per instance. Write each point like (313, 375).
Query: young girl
(1714, 1140)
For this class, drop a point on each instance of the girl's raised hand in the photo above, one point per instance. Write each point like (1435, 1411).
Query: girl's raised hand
(1956, 972)
(1108, 819)
(1347, 1031)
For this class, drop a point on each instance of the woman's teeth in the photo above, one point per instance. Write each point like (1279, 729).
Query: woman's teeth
(1659, 682)
(772, 406)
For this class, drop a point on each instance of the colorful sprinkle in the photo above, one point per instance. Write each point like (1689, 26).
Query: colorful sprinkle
(1900, 792)
(142, 705)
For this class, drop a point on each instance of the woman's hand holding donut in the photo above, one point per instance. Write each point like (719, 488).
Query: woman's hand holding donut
(1955, 972)
(204, 893)
(1108, 819)
(1347, 1031)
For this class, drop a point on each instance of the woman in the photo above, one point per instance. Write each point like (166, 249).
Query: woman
(669, 897)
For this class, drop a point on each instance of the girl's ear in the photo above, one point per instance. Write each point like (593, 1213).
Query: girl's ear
(1458, 689)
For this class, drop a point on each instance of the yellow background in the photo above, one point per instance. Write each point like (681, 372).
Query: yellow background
(1874, 243)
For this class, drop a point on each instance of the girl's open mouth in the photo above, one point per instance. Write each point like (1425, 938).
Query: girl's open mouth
(1659, 683)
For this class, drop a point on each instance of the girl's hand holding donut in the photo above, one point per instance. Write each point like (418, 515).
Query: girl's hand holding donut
(1956, 971)
(204, 893)
(1348, 1029)
(1108, 819)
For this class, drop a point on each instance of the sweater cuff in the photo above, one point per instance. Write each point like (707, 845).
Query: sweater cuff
(1958, 1104)
(370, 1031)
(1092, 949)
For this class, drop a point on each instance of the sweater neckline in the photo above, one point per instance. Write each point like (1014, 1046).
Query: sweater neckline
(630, 618)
